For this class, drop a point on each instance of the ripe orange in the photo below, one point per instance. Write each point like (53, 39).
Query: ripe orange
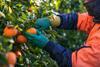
(10, 31)
(11, 58)
(18, 53)
(29, 9)
(32, 31)
(21, 39)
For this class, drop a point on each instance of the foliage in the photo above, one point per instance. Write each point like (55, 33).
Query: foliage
(22, 15)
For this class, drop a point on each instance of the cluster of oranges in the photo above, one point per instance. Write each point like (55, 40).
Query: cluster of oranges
(10, 31)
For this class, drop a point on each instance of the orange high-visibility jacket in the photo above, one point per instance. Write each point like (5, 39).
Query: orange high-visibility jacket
(86, 56)
(90, 55)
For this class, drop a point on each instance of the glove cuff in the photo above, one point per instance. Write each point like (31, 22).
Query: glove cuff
(55, 20)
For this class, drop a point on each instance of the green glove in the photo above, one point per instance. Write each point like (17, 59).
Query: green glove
(43, 23)
(38, 39)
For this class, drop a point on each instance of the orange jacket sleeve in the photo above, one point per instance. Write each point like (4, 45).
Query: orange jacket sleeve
(74, 21)
(85, 22)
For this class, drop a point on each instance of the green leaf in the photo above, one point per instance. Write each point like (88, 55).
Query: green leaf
(3, 60)
(10, 47)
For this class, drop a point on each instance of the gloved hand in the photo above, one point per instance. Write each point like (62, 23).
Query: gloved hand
(38, 39)
(43, 23)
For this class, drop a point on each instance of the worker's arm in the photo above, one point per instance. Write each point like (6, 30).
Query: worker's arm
(61, 55)
(64, 21)
(58, 53)
(71, 21)
(76, 21)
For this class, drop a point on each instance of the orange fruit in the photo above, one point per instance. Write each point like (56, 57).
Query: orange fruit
(21, 39)
(10, 31)
(11, 58)
(18, 53)
(32, 31)
(29, 9)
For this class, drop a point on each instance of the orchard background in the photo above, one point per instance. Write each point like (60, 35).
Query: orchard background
(22, 14)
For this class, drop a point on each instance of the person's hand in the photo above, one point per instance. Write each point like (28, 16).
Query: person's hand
(43, 23)
(38, 39)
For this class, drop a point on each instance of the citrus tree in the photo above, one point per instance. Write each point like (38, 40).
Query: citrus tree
(17, 16)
